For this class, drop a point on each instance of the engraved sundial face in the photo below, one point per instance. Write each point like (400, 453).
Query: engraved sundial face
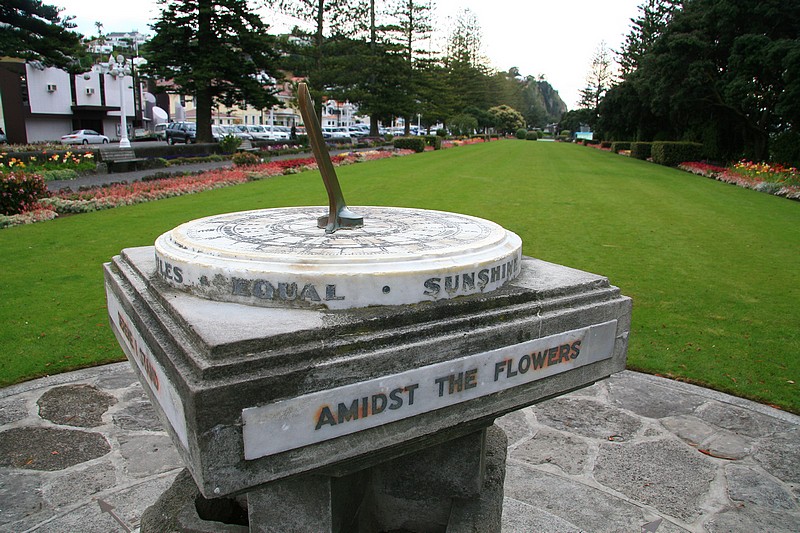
(279, 257)
(391, 233)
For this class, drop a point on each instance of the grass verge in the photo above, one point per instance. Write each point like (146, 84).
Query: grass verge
(711, 267)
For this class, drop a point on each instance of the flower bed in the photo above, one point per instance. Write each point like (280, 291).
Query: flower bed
(82, 161)
(461, 142)
(97, 198)
(772, 179)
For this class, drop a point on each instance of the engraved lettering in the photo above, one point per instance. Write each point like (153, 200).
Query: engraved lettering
(451, 284)
(264, 290)
(309, 293)
(483, 278)
(366, 406)
(325, 417)
(432, 286)
(241, 287)
(287, 291)
(330, 293)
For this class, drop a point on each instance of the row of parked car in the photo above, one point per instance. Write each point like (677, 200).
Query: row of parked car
(186, 132)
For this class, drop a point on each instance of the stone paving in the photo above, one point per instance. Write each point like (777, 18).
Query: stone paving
(84, 452)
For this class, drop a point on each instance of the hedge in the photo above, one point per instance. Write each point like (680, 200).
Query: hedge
(434, 140)
(641, 150)
(166, 151)
(409, 143)
(617, 146)
(672, 154)
(532, 136)
(785, 148)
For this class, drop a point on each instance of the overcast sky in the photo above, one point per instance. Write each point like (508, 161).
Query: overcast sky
(556, 38)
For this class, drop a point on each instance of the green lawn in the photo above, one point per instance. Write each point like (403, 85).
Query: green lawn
(712, 269)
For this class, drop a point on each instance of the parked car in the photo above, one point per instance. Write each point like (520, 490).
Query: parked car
(160, 131)
(259, 133)
(277, 133)
(218, 133)
(84, 137)
(335, 133)
(185, 132)
(358, 132)
(237, 131)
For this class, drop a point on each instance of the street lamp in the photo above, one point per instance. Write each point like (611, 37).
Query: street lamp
(120, 68)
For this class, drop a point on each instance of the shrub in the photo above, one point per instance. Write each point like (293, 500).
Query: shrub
(565, 133)
(241, 159)
(616, 146)
(532, 136)
(434, 140)
(229, 144)
(59, 175)
(785, 148)
(521, 133)
(605, 144)
(672, 154)
(441, 132)
(19, 192)
(463, 124)
(410, 143)
(641, 150)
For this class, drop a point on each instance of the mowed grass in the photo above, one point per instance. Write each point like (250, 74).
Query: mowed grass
(712, 269)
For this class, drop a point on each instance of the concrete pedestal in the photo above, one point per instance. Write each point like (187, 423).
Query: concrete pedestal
(257, 399)
(456, 487)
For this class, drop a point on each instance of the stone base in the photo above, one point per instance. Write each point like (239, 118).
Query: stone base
(253, 395)
(455, 487)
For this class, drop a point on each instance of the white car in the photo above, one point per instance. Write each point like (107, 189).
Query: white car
(335, 133)
(258, 133)
(276, 133)
(84, 137)
(356, 131)
(237, 131)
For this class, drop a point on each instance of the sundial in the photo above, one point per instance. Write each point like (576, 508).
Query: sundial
(300, 256)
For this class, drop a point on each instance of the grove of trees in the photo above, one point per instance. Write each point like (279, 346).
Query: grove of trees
(725, 73)
(375, 53)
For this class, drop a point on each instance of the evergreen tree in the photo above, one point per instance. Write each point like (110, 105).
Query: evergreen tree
(35, 31)
(413, 24)
(653, 19)
(327, 27)
(216, 50)
(467, 74)
(598, 80)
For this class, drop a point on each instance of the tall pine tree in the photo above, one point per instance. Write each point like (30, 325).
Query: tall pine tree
(216, 50)
(35, 31)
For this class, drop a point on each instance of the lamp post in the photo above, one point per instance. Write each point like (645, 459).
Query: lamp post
(119, 68)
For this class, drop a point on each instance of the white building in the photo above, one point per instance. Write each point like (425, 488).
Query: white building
(43, 103)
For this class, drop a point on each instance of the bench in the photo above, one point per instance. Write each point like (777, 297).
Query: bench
(247, 146)
(119, 156)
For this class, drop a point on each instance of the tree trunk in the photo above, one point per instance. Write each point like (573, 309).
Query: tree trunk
(203, 102)
(203, 97)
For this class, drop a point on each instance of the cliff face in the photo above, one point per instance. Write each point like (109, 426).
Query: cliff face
(542, 102)
(553, 103)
